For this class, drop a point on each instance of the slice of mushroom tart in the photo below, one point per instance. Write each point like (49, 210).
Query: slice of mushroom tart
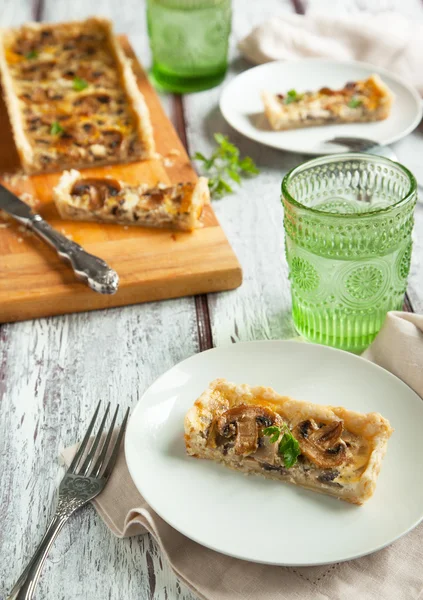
(111, 201)
(72, 97)
(327, 449)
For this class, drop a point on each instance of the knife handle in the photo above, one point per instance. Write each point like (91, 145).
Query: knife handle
(89, 268)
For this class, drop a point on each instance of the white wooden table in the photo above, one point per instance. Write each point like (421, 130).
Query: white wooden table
(53, 371)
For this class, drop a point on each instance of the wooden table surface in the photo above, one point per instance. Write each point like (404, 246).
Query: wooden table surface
(53, 371)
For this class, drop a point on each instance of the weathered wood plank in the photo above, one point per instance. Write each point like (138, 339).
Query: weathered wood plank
(14, 12)
(252, 217)
(52, 372)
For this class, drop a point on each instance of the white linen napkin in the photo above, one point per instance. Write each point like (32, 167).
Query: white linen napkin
(390, 574)
(387, 39)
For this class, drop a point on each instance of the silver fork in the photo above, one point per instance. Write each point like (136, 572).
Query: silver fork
(355, 144)
(85, 478)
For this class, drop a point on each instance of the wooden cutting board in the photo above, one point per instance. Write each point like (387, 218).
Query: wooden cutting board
(152, 264)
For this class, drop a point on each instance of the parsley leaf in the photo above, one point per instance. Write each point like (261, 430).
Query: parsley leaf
(31, 54)
(225, 164)
(56, 128)
(292, 96)
(273, 432)
(289, 448)
(354, 102)
(79, 84)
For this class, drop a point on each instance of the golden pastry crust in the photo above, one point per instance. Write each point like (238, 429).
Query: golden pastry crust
(110, 201)
(362, 438)
(357, 102)
(72, 97)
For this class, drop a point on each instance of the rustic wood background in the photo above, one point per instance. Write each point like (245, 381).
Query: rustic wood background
(53, 371)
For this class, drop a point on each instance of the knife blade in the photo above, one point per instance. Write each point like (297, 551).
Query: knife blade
(14, 206)
(94, 271)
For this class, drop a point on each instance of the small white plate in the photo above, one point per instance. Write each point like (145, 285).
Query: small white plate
(266, 521)
(242, 107)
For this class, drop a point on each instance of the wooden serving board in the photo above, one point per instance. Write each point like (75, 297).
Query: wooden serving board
(152, 264)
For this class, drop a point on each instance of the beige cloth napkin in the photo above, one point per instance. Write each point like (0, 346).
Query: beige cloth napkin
(393, 573)
(386, 39)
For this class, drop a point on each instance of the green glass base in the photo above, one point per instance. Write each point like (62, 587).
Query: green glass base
(166, 82)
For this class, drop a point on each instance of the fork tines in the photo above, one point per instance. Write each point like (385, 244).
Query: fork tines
(92, 452)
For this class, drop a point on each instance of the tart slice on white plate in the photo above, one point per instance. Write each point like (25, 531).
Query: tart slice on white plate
(357, 102)
(327, 449)
(111, 201)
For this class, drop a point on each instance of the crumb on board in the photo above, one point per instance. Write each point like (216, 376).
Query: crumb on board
(125, 227)
(20, 240)
(4, 225)
(14, 178)
(168, 162)
(69, 236)
(174, 152)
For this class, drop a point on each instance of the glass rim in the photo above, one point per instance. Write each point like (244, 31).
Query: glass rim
(348, 156)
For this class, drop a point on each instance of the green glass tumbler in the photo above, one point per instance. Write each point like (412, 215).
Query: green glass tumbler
(348, 220)
(189, 43)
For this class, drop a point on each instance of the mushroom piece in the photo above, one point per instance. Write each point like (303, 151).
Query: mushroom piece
(97, 189)
(91, 103)
(323, 445)
(243, 423)
(112, 138)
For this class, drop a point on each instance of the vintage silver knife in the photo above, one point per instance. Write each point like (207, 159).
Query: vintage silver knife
(87, 267)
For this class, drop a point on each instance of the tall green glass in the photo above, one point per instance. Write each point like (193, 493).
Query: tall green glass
(348, 223)
(189, 43)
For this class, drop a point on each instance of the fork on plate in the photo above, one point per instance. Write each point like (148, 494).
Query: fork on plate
(356, 144)
(85, 478)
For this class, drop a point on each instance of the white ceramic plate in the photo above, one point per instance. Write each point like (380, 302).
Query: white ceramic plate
(266, 521)
(242, 106)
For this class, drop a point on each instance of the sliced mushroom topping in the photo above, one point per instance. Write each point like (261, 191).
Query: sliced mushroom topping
(323, 445)
(112, 138)
(35, 71)
(90, 103)
(242, 424)
(267, 451)
(97, 189)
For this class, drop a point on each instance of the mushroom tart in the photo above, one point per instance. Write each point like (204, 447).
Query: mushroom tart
(327, 449)
(357, 102)
(72, 98)
(107, 200)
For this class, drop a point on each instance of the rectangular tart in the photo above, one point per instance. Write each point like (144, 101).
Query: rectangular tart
(339, 451)
(357, 102)
(72, 98)
(110, 201)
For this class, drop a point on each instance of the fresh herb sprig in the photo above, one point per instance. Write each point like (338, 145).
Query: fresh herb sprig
(225, 164)
(292, 96)
(32, 54)
(56, 128)
(355, 102)
(289, 448)
(79, 84)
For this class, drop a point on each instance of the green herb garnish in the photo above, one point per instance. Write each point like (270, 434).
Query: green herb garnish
(225, 164)
(354, 103)
(289, 448)
(79, 84)
(292, 96)
(31, 54)
(56, 128)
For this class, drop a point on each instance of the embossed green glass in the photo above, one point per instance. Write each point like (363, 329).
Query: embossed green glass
(189, 43)
(348, 222)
